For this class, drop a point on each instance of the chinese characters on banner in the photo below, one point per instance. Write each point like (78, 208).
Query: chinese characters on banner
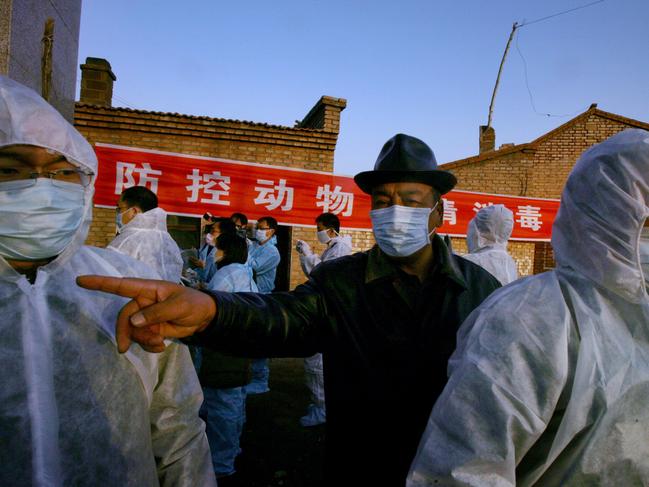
(192, 185)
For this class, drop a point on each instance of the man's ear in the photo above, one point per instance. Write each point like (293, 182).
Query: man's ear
(439, 210)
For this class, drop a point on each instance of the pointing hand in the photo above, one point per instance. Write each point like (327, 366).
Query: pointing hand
(157, 310)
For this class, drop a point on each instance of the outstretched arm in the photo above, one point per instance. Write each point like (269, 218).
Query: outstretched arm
(157, 310)
(249, 324)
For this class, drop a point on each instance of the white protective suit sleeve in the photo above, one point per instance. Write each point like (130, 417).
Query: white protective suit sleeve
(177, 433)
(339, 246)
(73, 411)
(146, 238)
(550, 379)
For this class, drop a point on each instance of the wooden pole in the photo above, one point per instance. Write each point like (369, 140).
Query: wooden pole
(500, 69)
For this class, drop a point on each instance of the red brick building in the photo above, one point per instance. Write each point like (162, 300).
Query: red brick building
(535, 169)
(310, 144)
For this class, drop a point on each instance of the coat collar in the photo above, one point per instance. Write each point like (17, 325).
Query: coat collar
(380, 266)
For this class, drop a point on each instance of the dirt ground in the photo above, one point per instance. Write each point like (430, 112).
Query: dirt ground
(276, 449)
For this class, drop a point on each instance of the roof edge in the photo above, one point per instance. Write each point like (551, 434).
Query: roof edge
(192, 117)
(592, 110)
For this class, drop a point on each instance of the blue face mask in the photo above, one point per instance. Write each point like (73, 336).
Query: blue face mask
(401, 231)
(39, 221)
(119, 220)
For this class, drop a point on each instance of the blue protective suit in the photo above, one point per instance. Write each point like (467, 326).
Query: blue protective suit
(206, 254)
(224, 409)
(263, 260)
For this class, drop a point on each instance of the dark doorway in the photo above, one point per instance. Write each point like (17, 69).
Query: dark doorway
(284, 235)
(185, 230)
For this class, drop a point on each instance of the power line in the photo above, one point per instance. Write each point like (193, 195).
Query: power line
(118, 98)
(529, 91)
(559, 13)
(125, 102)
(527, 83)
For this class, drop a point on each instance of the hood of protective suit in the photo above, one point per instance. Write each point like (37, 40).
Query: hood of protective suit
(155, 219)
(27, 119)
(491, 227)
(603, 208)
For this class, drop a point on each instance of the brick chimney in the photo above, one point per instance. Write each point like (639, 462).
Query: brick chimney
(487, 138)
(325, 115)
(97, 82)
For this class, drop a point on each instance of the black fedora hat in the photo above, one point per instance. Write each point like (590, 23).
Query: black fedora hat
(406, 159)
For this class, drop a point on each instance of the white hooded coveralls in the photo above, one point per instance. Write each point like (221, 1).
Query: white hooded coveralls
(146, 239)
(73, 411)
(549, 384)
(487, 238)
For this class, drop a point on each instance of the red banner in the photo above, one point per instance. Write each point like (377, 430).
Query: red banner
(191, 185)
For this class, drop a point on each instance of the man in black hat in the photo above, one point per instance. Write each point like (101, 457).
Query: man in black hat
(385, 320)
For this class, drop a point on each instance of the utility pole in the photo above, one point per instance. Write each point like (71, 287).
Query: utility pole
(500, 69)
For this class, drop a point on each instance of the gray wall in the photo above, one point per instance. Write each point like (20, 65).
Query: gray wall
(22, 23)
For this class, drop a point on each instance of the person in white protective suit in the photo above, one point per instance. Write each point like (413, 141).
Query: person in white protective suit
(263, 259)
(224, 377)
(328, 226)
(73, 411)
(549, 384)
(143, 233)
(487, 238)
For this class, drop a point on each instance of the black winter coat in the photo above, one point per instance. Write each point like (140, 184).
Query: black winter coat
(386, 340)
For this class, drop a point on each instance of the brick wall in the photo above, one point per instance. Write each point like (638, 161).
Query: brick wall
(537, 169)
(555, 156)
(309, 147)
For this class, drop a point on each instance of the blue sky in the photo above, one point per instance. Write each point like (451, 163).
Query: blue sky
(422, 67)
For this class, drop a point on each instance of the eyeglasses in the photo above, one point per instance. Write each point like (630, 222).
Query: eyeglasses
(29, 177)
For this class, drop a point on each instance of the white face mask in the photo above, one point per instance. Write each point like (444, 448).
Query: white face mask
(644, 254)
(39, 221)
(323, 236)
(209, 239)
(261, 235)
(401, 231)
